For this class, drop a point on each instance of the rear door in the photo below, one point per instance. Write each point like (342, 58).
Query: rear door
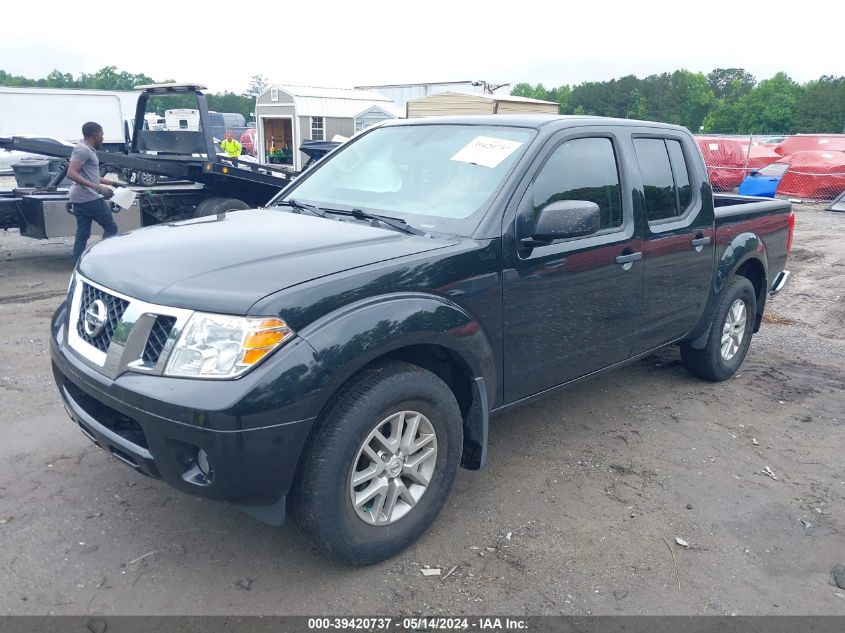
(679, 247)
(569, 307)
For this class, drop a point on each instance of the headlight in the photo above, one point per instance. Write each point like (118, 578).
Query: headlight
(71, 284)
(220, 346)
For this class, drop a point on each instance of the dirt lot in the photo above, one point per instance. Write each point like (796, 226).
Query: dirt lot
(576, 513)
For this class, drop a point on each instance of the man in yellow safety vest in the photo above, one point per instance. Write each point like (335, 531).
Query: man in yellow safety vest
(230, 145)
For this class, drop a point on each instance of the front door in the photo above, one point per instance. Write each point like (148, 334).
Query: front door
(569, 306)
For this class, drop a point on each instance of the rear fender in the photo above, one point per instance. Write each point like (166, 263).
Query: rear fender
(740, 250)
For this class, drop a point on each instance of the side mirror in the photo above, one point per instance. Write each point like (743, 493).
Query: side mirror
(564, 219)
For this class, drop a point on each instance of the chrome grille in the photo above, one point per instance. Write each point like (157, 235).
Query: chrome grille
(158, 337)
(133, 334)
(115, 307)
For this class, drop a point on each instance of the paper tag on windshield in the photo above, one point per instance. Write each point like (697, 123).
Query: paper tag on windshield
(714, 147)
(486, 151)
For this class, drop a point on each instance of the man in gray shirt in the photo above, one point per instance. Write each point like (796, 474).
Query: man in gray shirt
(87, 193)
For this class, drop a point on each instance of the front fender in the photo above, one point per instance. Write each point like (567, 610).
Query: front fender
(355, 335)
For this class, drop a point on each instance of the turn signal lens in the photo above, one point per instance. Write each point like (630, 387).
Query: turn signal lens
(252, 356)
(266, 338)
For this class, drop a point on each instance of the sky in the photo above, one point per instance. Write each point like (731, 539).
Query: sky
(344, 44)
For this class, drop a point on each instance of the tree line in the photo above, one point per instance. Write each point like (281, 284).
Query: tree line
(725, 101)
(109, 78)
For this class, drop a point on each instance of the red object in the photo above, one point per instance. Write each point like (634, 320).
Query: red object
(759, 154)
(791, 231)
(248, 140)
(807, 142)
(725, 161)
(813, 174)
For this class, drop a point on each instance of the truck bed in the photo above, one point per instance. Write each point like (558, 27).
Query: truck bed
(768, 220)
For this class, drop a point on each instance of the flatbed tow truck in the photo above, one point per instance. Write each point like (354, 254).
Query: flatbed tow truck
(200, 182)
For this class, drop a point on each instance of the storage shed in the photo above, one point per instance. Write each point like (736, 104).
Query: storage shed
(287, 115)
(403, 93)
(452, 103)
(377, 114)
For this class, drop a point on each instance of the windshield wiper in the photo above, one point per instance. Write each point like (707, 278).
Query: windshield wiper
(396, 223)
(301, 206)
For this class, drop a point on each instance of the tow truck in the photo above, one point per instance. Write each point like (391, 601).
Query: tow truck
(200, 182)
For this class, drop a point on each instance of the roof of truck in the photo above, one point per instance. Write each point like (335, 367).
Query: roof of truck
(535, 121)
(171, 87)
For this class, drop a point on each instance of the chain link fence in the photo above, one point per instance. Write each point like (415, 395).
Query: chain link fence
(804, 166)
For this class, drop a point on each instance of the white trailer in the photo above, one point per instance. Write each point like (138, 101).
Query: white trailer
(182, 119)
(59, 113)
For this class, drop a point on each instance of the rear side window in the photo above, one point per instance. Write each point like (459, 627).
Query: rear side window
(681, 173)
(666, 180)
(582, 169)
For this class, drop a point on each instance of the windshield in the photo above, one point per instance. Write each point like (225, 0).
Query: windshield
(435, 177)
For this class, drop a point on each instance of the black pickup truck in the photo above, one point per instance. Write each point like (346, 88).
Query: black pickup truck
(340, 352)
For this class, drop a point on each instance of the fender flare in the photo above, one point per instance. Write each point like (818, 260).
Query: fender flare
(350, 338)
(741, 249)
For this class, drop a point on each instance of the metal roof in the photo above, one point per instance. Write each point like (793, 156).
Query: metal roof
(331, 102)
(395, 111)
(423, 83)
(493, 97)
(330, 93)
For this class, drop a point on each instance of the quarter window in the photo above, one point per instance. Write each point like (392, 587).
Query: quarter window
(582, 169)
(681, 173)
(317, 128)
(666, 181)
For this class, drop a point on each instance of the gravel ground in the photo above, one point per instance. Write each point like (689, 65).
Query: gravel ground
(582, 501)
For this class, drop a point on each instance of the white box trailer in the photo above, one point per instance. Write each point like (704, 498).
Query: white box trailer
(59, 113)
(182, 119)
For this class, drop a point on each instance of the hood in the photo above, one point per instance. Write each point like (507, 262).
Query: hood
(225, 263)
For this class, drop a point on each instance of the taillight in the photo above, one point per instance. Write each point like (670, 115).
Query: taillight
(791, 231)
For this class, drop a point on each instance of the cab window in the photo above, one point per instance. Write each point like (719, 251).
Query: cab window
(582, 169)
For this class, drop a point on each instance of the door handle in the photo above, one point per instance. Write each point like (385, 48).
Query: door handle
(628, 259)
(699, 242)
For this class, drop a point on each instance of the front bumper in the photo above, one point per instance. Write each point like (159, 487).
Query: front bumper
(252, 429)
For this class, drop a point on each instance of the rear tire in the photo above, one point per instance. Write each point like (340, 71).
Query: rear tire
(215, 205)
(325, 501)
(731, 329)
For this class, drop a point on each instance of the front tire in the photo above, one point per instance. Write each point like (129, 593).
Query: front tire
(731, 329)
(380, 464)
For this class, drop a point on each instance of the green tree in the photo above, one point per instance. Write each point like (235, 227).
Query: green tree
(522, 90)
(821, 106)
(730, 84)
(636, 106)
(682, 97)
(561, 94)
(257, 85)
(58, 79)
(231, 102)
(769, 108)
(724, 118)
